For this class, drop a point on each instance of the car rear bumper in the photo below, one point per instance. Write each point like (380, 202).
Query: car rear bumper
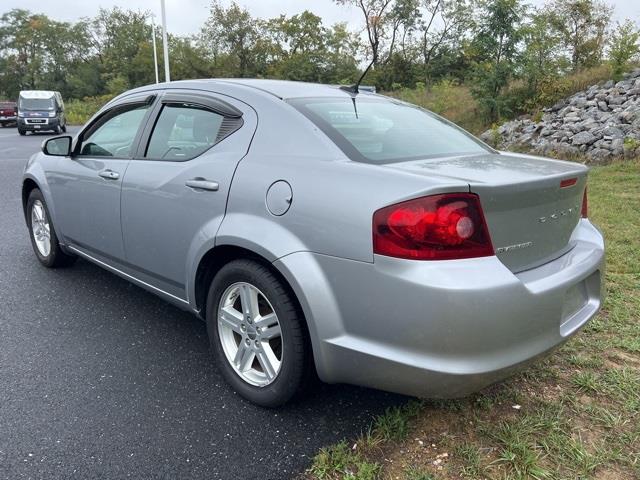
(444, 328)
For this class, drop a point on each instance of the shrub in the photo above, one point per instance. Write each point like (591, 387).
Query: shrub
(446, 98)
(78, 112)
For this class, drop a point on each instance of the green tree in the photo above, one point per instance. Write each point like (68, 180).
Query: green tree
(444, 27)
(624, 47)
(30, 60)
(231, 37)
(304, 49)
(495, 46)
(582, 25)
(117, 38)
(541, 62)
(377, 16)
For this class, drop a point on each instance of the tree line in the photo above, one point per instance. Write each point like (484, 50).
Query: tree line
(508, 52)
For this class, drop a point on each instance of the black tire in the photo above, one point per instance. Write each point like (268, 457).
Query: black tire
(58, 130)
(22, 132)
(64, 128)
(296, 363)
(56, 257)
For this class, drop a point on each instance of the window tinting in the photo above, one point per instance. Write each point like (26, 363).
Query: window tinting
(184, 132)
(113, 135)
(383, 131)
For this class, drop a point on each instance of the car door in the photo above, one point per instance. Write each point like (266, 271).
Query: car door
(86, 187)
(175, 192)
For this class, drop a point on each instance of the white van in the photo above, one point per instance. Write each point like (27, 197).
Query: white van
(41, 110)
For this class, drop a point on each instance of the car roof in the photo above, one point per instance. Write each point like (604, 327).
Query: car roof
(283, 89)
(37, 94)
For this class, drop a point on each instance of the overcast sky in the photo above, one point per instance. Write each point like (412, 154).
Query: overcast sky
(185, 17)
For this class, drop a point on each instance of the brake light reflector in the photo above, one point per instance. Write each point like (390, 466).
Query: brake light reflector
(568, 182)
(438, 227)
(585, 204)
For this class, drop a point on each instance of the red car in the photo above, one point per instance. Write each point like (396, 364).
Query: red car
(8, 113)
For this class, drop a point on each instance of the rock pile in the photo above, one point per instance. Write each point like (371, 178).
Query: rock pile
(599, 124)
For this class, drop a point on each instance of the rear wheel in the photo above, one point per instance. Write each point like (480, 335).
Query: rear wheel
(43, 237)
(257, 334)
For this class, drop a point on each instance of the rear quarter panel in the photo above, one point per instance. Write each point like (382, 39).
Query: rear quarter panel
(333, 200)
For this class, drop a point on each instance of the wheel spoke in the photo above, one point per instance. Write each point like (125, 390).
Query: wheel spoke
(268, 361)
(249, 300)
(231, 318)
(244, 357)
(37, 210)
(271, 332)
(266, 320)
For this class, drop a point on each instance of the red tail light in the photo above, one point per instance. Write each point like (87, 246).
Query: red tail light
(585, 204)
(437, 227)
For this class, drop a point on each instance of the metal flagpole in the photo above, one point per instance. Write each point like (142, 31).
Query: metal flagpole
(155, 51)
(165, 45)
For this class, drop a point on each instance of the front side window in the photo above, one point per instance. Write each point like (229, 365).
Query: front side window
(383, 131)
(184, 131)
(113, 134)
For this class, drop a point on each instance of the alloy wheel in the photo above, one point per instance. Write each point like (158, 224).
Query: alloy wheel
(40, 228)
(250, 334)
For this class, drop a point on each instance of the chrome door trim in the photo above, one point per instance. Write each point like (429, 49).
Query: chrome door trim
(125, 275)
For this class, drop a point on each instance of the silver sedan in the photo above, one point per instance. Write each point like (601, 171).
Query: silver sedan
(321, 231)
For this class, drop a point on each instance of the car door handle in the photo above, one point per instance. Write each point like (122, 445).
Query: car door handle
(202, 184)
(109, 175)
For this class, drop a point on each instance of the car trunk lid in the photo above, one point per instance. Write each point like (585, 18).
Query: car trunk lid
(529, 214)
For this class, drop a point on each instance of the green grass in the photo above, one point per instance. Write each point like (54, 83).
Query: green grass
(343, 462)
(579, 414)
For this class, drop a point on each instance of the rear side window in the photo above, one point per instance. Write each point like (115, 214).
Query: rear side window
(383, 131)
(185, 131)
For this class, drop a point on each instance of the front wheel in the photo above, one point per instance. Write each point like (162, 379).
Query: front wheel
(64, 128)
(43, 237)
(257, 333)
(22, 132)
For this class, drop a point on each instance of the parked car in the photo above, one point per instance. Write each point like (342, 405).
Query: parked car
(40, 111)
(8, 113)
(315, 228)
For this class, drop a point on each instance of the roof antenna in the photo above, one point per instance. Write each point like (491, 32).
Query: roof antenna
(355, 89)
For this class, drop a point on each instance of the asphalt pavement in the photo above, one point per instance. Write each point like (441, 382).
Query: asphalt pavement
(100, 379)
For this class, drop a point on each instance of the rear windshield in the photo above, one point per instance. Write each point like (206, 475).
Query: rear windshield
(36, 103)
(378, 130)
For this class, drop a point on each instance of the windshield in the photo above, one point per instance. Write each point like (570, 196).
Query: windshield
(36, 103)
(377, 130)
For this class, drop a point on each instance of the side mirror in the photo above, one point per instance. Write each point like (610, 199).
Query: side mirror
(58, 146)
